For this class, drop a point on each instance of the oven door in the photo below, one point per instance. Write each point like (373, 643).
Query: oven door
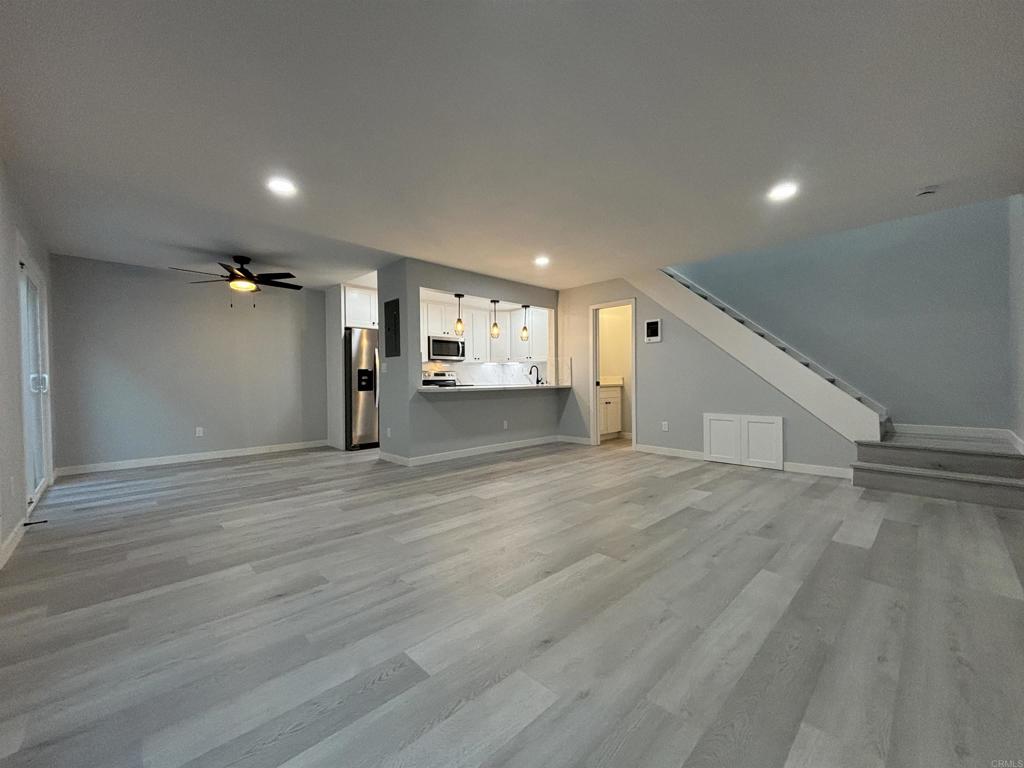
(446, 348)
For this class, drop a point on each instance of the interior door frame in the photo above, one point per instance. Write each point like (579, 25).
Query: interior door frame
(29, 271)
(595, 338)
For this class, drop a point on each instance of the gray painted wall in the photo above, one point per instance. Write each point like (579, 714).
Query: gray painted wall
(334, 315)
(140, 358)
(13, 219)
(426, 424)
(1017, 310)
(680, 379)
(915, 312)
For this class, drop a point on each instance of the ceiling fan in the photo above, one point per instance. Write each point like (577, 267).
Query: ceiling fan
(239, 278)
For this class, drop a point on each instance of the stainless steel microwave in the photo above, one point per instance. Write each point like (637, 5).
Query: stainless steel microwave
(446, 348)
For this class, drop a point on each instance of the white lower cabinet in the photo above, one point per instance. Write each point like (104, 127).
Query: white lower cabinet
(736, 439)
(609, 410)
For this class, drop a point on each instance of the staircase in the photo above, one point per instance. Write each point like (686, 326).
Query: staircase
(980, 470)
(983, 471)
(778, 343)
(833, 401)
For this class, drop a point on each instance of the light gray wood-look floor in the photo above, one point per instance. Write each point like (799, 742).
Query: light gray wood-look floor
(554, 606)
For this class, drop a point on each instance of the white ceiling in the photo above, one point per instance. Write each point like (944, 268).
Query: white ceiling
(612, 135)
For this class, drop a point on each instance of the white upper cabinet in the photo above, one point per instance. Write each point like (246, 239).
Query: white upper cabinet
(535, 349)
(478, 347)
(540, 320)
(435, 319)
(438, 316)
(451, 314)
(441, 318)
(360, 307)
(520, 348)
(501, 351)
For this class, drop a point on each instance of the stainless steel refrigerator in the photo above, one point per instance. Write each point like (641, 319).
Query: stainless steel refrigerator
(362, 395)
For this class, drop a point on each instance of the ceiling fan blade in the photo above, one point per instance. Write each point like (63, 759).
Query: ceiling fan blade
(233, 271)
(218, 280)
(194, 271)
(276, 284)
(275, 275)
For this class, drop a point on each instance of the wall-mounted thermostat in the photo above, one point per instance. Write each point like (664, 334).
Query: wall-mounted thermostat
(652, 331)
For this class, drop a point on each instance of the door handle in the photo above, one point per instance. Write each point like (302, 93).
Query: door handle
(33, 383)
(45, 379)
(376, 377)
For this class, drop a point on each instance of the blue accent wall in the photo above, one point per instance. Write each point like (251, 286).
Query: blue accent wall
(913, 312)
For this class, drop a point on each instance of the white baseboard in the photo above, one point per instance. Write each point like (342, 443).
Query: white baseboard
(626, 435)
(8, 547)
(845, 473)
(186, 458)
(788, 466)
(677, 452)
(416, 461)
(573, 439)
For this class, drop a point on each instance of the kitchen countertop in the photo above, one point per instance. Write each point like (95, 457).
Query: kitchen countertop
(491, 387)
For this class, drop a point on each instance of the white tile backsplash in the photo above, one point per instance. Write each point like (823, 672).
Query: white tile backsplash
(491, 373)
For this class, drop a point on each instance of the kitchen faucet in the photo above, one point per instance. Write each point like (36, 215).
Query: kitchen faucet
(532, 369)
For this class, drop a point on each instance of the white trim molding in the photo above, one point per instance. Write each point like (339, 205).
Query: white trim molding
(680, 453)
(188, 458)
(480, 450)
(573, 439)
(845, 473)
(850, 418)
(8, 547)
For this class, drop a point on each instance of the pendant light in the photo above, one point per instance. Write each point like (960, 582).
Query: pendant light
(495, 328)
(460, 327)
(524, 333)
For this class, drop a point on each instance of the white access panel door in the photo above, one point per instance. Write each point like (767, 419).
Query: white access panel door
(755, 441)
(761, 441)
(722, 438)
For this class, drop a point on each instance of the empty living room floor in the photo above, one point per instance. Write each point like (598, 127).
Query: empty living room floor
(553, 606)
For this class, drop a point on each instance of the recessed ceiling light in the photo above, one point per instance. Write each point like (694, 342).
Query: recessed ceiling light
(282, 186)
(542, 260)
(783, 191)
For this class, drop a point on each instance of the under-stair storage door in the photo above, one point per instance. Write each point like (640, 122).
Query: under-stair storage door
(736, 439)
(761, 441)
(723, 438)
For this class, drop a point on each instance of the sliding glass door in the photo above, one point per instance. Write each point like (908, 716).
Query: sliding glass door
(35, 385)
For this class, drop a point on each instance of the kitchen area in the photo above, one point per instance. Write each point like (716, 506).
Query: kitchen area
(485, 344)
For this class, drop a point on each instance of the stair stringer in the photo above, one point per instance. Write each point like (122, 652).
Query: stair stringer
(830, 404)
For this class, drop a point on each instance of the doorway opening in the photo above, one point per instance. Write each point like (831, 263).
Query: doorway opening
(613, 371)
(35, 370)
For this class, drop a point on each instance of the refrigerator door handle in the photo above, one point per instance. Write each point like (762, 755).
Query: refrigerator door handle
(376, 377)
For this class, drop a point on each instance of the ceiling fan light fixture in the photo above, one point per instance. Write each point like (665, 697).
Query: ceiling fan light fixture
(245, 286)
